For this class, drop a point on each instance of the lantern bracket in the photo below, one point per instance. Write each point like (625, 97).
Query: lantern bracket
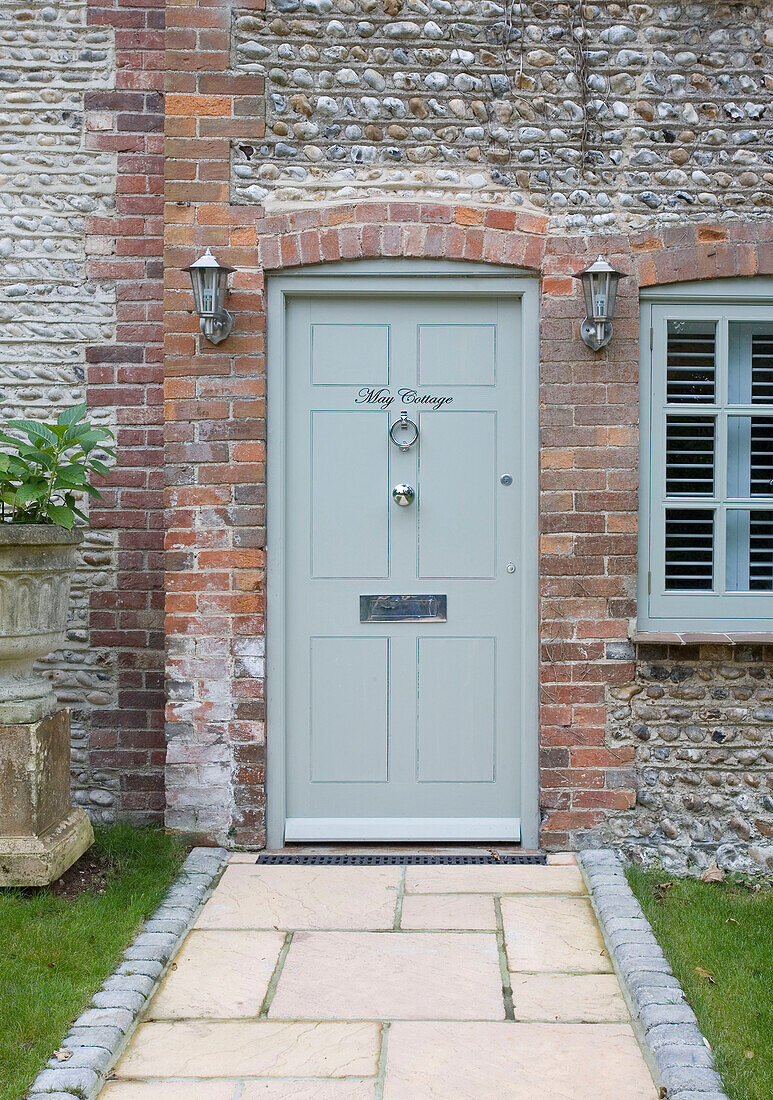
(590, 336)
(217, 328)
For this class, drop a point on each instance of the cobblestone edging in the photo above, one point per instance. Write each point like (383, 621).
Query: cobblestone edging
(100, 1033)
(679, 1052)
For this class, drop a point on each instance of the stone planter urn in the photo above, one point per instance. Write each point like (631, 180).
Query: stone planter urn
(41, 834)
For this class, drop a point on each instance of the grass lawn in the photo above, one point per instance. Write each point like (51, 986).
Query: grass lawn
(58, 944)
(718, 938)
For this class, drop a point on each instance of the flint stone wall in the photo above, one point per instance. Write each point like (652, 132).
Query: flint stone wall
(49, 311)
(699, 721)
(599, 115)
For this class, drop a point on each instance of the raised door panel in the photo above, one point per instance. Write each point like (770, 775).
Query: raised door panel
(349, 710)
(456, 710)
(349, 499)
(457, 495)
(457, 355)
(349, 355)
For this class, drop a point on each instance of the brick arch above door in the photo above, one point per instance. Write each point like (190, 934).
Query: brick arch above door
(215, 440)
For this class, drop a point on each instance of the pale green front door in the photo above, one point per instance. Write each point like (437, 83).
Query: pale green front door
(402, 716)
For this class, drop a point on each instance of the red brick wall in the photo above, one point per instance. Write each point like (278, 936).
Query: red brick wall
(215, 417)
(127, 739)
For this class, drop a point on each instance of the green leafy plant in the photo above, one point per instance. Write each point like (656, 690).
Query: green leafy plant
(47, 468)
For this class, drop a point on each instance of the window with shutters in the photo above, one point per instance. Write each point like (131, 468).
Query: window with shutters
(706, 524)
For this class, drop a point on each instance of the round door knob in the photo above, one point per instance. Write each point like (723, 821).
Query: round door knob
(403, 495)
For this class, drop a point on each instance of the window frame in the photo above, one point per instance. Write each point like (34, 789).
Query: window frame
(658, 610)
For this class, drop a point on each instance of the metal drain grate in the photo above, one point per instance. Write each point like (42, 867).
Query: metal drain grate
(390, 860)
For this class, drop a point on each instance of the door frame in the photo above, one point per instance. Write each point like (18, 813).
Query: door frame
(378, 278)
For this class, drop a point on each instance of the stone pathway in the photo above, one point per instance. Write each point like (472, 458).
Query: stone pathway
(389, 983)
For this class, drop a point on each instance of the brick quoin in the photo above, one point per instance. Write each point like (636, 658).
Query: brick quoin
(128, 739)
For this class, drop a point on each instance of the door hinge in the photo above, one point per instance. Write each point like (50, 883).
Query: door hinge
(652, 338)
(649, 584)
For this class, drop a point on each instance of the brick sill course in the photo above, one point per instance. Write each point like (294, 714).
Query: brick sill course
(664, 637)
(101, 1032)
(673, 1045)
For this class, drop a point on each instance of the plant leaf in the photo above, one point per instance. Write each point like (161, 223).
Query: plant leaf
(73, 474)
(69, 416)
(33, 454)
(61, 515)
(30, 491)
(33, 430)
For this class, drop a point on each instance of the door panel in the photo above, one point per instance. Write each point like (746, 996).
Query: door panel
(456, 707)
(402, 729)
(457, 507)
(348, 710)
(349, 501)
(342, 354)
(457, 355)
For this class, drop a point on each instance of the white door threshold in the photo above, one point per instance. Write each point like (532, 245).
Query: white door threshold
(401, 829)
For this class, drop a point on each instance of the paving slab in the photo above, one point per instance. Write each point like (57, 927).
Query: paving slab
(390, 976)
(302, 897)
(553, 934)
(218, 974)
(570, 998)
(494, 879)
(168, 1090)
(300, 1089)
(467, 911)
(484, 1061)
(225, 1048)
(296, 1088)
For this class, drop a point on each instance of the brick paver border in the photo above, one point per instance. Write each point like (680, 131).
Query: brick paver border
(99, 1035)
(667, 1027)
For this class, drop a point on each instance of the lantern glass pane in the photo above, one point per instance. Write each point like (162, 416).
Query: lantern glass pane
(209, 292)
(196, 284)
(614, 279)
(222, 283)
(600, 286)
(587, 289)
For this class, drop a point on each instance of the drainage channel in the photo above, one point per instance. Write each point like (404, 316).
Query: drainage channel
(396, 860)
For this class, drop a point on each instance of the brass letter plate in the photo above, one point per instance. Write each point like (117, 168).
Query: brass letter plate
(402, 609)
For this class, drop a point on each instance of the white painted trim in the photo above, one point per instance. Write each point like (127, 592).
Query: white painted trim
(399, 829)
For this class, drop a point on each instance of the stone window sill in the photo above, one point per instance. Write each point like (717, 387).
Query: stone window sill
(665, 637)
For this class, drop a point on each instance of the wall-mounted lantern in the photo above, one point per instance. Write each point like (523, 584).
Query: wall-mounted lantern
(599, 285)
(209, 279)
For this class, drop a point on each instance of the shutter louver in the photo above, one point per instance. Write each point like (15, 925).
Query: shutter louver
(689, 456)
(689, 549)
(761, 551)
(691, 368)
(762, 370)
(761, 452)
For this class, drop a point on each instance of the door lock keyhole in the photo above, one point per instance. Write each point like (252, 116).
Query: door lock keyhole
(403, 495)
